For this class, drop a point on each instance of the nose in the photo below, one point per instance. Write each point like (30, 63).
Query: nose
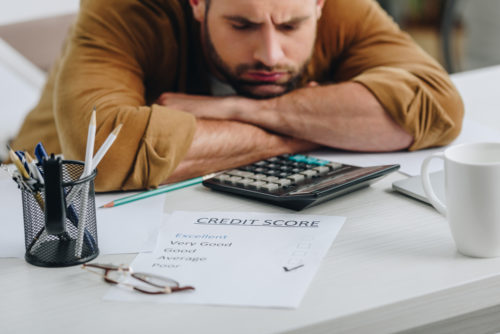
(269, 50)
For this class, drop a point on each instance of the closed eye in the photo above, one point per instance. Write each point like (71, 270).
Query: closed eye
(243, 26)
(288, 27)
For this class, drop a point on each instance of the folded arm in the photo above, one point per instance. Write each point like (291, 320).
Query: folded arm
(219, 145)
(345, 116)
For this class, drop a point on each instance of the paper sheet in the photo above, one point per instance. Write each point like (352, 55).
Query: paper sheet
(411, 161)
(237, 258)
(11, 223)
(129, 228)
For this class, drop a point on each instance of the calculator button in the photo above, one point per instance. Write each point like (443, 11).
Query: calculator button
(271, 179)
(260, 163)
(257, 184)
(241, 173)
(284, 182)
(247, 174)
(284, 174)
(250, 169)
(334, 165)
(272, 172)
(235, 179)
(270, 187)
(309, 173)
(296, 177)
(244, 182)
(322, 169)
(286, 168)
(222, 177)
(259, 176)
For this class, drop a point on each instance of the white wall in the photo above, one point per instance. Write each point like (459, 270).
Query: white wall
(12, 11)
(482, 33)
(20, 81)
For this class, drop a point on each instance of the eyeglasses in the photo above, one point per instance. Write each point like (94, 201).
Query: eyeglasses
(142, 282)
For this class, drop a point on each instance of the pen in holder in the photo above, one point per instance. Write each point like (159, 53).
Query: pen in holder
(59, 232)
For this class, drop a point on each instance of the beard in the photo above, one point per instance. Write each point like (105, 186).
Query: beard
(245, 87)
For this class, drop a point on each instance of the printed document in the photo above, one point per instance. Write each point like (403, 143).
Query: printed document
(236, 258)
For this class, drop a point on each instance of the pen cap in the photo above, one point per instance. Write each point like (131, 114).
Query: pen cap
(55, 207)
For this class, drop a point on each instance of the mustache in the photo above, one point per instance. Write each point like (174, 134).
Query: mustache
(242, 68)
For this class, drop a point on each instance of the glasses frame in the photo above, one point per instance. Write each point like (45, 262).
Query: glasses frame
(142, 277)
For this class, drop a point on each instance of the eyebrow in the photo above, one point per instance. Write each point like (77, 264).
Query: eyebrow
(243, 20)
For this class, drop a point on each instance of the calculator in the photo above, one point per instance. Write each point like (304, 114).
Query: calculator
(296, 181)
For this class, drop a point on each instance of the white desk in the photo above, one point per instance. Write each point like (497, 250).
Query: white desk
(392, 268)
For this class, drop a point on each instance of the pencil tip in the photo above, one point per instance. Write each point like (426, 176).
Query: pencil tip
(108, 205)
(92, 118)
(29, 158)
(117, 129)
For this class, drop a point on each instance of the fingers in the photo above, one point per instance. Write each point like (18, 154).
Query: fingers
(162, 99)
(312, 84)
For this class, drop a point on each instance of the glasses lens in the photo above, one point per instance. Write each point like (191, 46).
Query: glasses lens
(116, 276)
(142, 282)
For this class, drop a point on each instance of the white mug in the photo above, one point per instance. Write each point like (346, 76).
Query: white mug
(472, 191)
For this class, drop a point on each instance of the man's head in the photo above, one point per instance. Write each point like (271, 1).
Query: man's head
(260, 47)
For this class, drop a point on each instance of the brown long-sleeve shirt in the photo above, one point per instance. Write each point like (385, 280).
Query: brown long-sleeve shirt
(122, 54)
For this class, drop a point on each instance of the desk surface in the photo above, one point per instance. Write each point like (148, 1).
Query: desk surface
(393, 267)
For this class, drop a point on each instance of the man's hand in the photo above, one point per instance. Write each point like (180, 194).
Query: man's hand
(222, 108)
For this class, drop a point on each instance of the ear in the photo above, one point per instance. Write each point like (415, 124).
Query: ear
(198, 7)
(319, 7)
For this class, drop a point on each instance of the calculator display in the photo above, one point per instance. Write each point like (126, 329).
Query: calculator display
(296, 181)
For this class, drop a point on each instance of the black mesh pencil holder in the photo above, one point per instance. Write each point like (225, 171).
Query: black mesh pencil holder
(60, 219)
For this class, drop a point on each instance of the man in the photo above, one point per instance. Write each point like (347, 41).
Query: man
(306, 73)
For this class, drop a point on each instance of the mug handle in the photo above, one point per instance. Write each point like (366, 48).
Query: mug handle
(426, 183)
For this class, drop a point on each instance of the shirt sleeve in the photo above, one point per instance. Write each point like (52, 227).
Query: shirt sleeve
(411, 86)
(117, 51)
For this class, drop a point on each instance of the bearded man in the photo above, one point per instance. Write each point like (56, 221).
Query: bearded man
(201, 86)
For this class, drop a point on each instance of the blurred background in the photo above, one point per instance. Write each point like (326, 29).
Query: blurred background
(462, 35)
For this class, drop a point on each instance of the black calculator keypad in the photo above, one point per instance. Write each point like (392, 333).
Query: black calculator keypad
(278, 173)
(295, 181)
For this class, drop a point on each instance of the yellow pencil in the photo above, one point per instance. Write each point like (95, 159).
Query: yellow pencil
(18, 163)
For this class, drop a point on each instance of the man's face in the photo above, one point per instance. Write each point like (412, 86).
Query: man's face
(260, 47)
